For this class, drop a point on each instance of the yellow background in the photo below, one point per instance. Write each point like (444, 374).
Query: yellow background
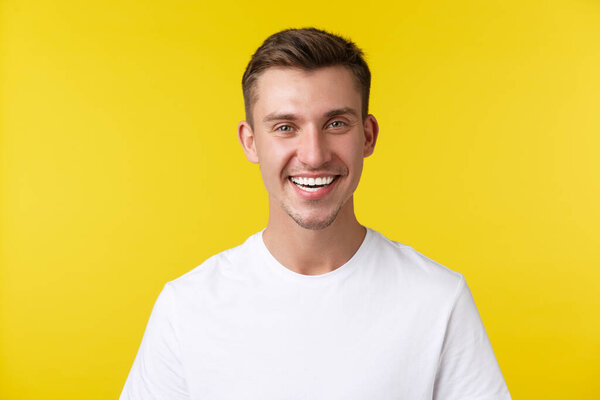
(120, 170)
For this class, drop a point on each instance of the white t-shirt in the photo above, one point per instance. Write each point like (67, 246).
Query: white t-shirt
(388, 324)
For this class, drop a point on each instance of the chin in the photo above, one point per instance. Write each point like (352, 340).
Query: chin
(314, 223)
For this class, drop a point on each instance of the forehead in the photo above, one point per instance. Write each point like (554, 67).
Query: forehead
(300, 91)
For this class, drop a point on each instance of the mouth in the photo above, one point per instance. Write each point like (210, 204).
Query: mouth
(312, 185)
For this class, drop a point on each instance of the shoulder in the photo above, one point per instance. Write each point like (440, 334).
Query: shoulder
(228, 264)
(413, 268)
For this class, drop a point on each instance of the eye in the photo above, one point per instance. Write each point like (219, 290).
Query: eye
(284, 128)
(337, 124)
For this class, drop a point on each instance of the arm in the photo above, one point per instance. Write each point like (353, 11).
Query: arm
(468, 369)
(157, 372)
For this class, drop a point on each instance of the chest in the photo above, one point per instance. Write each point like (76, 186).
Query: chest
(316, 345)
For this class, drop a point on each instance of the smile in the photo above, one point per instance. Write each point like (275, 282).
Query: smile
(312, 184)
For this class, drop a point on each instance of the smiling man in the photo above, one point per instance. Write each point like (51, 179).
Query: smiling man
(309, 132)
(315, 306)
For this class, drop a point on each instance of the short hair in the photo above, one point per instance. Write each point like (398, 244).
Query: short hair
(307, 49)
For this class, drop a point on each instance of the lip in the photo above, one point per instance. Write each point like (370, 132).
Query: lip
(319, 194)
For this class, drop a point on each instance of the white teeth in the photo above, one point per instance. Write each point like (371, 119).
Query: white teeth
(306, 183)
(310, 189)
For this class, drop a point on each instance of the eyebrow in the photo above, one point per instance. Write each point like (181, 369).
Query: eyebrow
(277, 117)
(341, 111)
(293, 117)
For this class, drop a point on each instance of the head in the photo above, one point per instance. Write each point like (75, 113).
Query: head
(307, 126)
(307, 49)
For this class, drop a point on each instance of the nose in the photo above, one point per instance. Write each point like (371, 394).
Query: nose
(313, 150)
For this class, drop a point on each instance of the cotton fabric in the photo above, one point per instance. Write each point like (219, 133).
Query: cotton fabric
(388, 324)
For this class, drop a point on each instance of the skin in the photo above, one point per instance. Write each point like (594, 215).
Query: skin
(309, 124)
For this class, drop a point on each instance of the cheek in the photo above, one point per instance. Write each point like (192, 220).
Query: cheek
(350, 149)
(274, 155)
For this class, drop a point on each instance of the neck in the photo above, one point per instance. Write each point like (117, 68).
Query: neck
(314, 252)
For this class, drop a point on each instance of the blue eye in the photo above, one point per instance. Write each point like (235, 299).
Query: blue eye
(337, 124)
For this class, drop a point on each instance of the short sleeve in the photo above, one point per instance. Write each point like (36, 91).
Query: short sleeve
(157, 371)
(468, 369)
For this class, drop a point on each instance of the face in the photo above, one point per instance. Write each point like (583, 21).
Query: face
(310, 139)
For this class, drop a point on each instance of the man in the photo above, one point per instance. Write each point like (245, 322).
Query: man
(316, 306)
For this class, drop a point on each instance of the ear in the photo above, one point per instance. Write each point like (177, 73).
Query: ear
(246, 138)
(371, 129)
